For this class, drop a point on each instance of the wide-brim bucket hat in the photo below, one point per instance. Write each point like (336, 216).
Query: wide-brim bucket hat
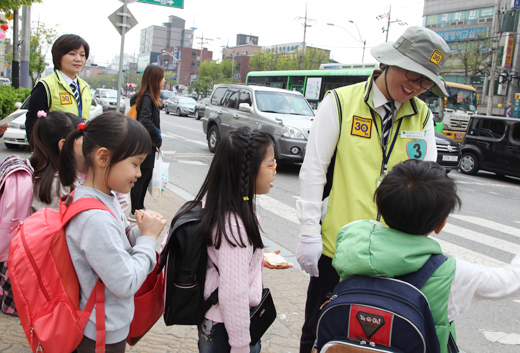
(419, 50)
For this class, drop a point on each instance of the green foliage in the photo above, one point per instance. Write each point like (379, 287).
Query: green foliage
(110, 80)
(9, 96)
(42, 39)
(211, 73)
(273, 60)
(10, 5)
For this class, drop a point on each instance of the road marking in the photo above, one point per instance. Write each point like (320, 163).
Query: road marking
(489, 224)
(496, 243)
(278, 208)
(468, 255)
(502, 337)
(192, 162)
(183, 127)
(170, 135)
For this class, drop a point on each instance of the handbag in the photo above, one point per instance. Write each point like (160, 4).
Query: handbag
(262, 316)
(132, 112)
(159, 176)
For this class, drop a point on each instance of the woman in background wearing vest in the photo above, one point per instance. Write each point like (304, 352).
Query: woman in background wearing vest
(147, 101)
(62, 90)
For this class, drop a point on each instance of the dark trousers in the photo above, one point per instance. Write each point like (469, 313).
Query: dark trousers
(138, 192)
(319, 288)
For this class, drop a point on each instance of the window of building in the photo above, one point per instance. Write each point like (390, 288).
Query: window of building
(193, 53)
(188, 35)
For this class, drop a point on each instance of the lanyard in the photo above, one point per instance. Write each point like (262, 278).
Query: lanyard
(386, 151)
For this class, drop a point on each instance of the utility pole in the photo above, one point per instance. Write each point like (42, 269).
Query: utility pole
(16, 59)
(25, 80)
(305, 25)
(389, 22)
(496, 43)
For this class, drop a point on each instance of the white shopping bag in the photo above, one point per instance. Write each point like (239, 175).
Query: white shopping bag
(159, 176)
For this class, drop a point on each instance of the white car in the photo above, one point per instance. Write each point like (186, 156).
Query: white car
(107, 98)
(15, 135)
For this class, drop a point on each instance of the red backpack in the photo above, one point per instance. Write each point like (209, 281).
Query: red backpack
(46, 288)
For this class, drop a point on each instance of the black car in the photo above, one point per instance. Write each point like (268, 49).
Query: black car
(492, 144)
(448, 152)
(200, 108)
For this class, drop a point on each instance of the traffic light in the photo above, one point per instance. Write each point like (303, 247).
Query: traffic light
(126, 71)
(140, 72)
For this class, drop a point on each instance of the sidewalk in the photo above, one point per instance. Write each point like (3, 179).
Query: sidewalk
(289, 289)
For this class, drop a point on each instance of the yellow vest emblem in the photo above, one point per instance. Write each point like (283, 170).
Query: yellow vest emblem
(361, 127)
(436, 57)
(65, 98)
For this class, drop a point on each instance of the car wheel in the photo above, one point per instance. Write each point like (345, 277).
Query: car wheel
(178, 112)
(469, 164)
(166, 110)
(213, 138)
(196, 114)
(11, 146)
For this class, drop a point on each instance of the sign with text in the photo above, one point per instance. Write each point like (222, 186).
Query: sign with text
(508, 57)
(170, 3)
(464, 34)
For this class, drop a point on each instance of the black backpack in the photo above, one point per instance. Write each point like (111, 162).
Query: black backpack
(184, 258)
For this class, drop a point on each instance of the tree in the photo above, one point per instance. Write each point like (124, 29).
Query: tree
(8, 6)
(41, 41)
(274, 60)
(471, 57)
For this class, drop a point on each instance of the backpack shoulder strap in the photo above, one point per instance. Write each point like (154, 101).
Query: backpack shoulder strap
(419, 278)
(84, 204)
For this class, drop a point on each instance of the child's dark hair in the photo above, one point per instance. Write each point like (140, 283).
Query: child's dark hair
(416, 196)
(46, 135)
(230, 186)
(122, 136)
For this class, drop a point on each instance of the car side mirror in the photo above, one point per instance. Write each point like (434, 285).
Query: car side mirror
(244, 107)
(18, 105)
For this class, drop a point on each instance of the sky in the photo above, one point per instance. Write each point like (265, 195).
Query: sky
(273, 21)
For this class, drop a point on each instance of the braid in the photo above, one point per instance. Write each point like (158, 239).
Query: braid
(246, 166)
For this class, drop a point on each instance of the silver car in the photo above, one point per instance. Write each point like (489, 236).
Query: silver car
(107, 98)
(285, 115)
(181, 105)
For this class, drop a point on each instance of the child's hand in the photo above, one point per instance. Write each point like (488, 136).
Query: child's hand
(274, 261)
(150, 223)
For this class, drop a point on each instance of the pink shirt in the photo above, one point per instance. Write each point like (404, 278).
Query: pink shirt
(239, 284)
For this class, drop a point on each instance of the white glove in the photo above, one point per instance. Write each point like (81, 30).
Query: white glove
(308, 253)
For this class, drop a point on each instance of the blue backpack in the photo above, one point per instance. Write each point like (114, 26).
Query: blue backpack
(380, 315)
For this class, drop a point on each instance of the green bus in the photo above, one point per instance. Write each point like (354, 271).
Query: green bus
(313, 84)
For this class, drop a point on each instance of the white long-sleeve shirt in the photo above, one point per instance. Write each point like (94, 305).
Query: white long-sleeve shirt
(319, 151)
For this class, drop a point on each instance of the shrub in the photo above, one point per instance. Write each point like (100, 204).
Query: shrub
(9, 96)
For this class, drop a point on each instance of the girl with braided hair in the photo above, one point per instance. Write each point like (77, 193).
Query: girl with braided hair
(243, 166)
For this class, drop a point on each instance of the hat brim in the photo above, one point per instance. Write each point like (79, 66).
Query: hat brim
(386, 54)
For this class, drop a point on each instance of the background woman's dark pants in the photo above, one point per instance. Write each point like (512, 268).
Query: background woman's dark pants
(319, 288)
(138, 192)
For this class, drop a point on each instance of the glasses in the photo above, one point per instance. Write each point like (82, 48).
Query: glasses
(272, 168)
(424, 82)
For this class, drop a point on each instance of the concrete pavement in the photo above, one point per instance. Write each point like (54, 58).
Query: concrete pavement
(289, 289)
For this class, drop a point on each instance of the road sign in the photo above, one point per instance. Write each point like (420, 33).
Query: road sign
(170, 3)
(172, 78)
(236, 76)
(516, 4)
(116, 19)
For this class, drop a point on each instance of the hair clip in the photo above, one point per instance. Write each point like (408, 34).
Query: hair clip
(246, 198)
(41, 114)
(81, 126)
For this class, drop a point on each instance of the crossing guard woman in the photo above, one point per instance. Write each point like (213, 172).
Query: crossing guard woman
(360, 132)
(62, 90)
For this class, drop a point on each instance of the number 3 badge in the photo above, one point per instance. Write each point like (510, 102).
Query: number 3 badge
(416, 149)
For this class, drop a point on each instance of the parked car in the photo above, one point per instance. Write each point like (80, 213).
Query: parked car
(181, 105)
(15, 135)
(165, 95)
(5, 81)
(200, 108)
(491, 144)
(448, 152)
(107, 98)
(285, 115)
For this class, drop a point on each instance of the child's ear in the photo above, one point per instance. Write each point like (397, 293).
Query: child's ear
(438, 229)
(61, 143)
(102, 157)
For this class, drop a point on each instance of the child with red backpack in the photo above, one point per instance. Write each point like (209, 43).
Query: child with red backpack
(113, 146)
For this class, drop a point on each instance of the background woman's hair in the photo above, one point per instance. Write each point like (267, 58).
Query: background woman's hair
(46, 136)
(230, 179)
(151, 81)
(122, 136)
(65, 44)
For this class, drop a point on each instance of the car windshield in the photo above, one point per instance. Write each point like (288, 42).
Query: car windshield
(462, 99)
(282, 103)
(167, 94)
(108, 94)
(187, 100)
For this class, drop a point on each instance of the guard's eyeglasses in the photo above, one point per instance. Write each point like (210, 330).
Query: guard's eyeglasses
(424, 82)
(272, 168)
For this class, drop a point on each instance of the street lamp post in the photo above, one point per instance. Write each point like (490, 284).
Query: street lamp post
(361, 40)
(178, 62)
(232, 56)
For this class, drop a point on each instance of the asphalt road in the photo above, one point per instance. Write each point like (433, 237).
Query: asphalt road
(486, 230)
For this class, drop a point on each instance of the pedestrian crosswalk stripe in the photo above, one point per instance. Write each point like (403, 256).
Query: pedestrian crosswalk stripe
(278, 208)
(489, 224)
(483, 239)
(468, 255)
